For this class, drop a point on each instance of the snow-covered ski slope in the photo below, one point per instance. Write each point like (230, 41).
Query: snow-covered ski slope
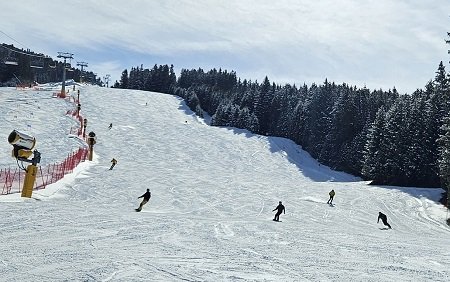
(210, 215)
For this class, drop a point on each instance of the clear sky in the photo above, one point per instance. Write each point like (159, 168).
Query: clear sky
(377, 44)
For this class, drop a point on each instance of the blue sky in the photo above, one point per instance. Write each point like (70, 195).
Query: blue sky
(377, 44)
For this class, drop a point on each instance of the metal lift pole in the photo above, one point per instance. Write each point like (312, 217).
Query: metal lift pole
(82, 64)
(65, 56)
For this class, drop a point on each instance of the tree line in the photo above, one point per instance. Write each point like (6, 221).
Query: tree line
(380, 135)
(383, 136)
(158, 79)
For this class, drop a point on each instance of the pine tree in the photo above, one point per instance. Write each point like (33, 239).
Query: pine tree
(418, 163)
(396, 138)
(441, 90)
(341, 128)
(124, 80)
(223, 115)
(444, 154)
(354, 151)
(262, 106)
(172, 79)
(317, 120)
(375, 154)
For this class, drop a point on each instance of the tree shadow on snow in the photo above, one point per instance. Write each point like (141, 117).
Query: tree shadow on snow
(307, 165)
(206, 118)
(293, 153)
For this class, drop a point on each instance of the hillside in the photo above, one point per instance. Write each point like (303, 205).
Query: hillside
(210, 215)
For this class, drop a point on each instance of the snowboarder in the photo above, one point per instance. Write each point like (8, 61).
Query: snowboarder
(147, 195)
(383, 218)
(280, 209)
(114, 162)
(110, 126)
(330, 201)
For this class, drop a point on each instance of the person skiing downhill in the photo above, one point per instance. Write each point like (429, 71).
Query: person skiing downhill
(330, 201)
(114, 162)
(147, 195)
(383, 218)
(280, 209)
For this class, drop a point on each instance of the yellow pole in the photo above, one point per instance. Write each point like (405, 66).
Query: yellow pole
(28, 183)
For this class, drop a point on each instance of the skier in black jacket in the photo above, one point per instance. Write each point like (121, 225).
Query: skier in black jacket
(383, 218)
(280, 209)
(113, 163)
(146, 197)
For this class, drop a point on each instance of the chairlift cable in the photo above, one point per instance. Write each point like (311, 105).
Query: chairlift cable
(10, 37)
(20, 52)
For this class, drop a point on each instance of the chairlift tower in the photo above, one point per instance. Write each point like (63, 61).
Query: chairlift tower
(65, 56)
(82, 64)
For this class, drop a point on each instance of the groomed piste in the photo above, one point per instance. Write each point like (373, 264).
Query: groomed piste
(210, 214)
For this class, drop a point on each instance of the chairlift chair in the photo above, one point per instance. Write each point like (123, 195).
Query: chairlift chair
(11, 60)
(37, 63)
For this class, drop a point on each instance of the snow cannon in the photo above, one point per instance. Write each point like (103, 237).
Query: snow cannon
(22, 143)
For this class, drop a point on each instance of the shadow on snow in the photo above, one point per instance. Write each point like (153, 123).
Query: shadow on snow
(307, 165)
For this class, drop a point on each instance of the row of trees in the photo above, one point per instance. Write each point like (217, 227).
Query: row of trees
(33, 67)
(380, 135)
(158, 79)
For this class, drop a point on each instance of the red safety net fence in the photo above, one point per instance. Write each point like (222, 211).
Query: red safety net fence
(76, 130)
(11, 180)
(75, 113)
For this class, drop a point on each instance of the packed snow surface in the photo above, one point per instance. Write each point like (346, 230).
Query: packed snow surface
(210, 215)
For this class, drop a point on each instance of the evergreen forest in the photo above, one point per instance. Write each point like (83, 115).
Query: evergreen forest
(382, 136)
